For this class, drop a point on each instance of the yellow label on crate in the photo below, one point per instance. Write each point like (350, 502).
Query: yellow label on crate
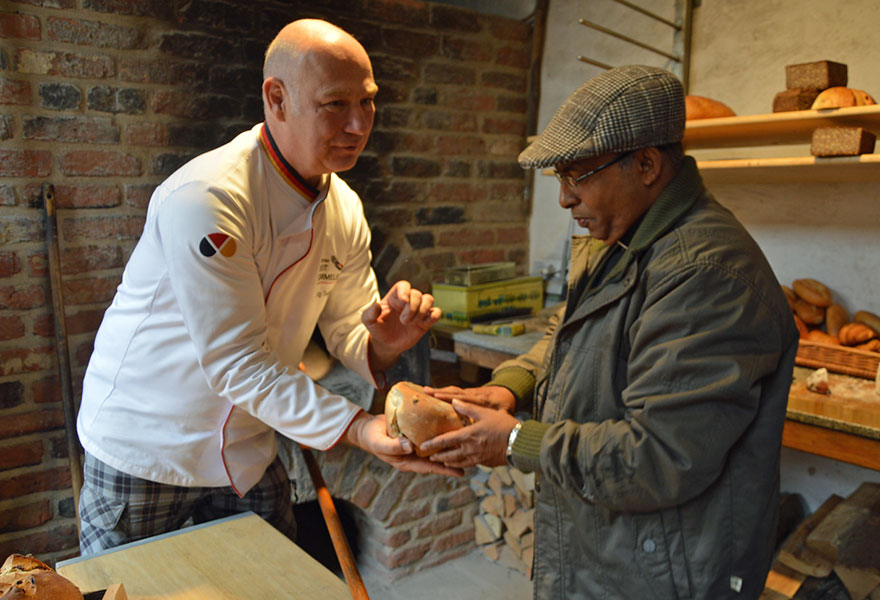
(461, 303)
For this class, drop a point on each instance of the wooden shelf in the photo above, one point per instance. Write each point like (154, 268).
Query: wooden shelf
(793, 127)
(797, 169)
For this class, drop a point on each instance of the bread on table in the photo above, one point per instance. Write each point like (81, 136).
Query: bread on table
(23, 577)
(795, 99)
(818, 75)
(700, 107)
(412, 413)
(842, 97)
(841, 141)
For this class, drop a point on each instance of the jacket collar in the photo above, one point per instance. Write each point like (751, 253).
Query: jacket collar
(674, 201)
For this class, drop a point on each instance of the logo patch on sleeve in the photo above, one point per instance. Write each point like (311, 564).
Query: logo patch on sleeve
(213, 243)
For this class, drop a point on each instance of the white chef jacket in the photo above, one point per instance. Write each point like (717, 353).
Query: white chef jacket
(195, 362)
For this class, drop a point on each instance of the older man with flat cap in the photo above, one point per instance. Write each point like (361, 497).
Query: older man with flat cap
(658, 395)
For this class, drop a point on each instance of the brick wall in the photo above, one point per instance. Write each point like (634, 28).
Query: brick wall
(105, 98)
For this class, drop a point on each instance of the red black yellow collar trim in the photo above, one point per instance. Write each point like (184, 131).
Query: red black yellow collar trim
(283, 167)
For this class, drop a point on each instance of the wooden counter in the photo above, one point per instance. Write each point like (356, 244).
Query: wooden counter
(240, 557)
(807, 429)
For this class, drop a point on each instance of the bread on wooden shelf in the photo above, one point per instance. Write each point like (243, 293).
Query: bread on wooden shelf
(700, 107)
(818, 75)
(841, 141)
(794, 99)
(842, 97)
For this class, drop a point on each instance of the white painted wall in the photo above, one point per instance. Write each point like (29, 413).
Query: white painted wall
(828, 231)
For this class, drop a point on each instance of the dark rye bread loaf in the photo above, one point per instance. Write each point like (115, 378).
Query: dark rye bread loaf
(817, 75)
(841, 141)
(794, 99)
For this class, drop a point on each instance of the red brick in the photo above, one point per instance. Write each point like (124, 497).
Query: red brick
(506, 211)
(462, 238)
(98, 163)
(44, 326)
(468, 99)
(404, 557)
(94, 33)
(506, 126)
(25, 163)
(427, 487)
(509, 29)
(512, 235)
(449, 121)
(102, 228)
(27, 516)
(84, 321)
(412, 44)
(90, 291)
(42, 542)
(476, 257)
(516, 104)
(19, 26)
(186, 105)
(138, 195)
(145, 134)
(513, 82)
(447, 73)
(70, 129)
(460, 145)
(64, 64)
(22, 298)
(396, 539)
(365, 492)
(46, 390)
(470, 50)
(78, 195)
(7, 195)
(21, 455)
(30, 422)
(455, 19)
(11, 328)
(514, 57)
(454, 539)
(14, 92)
(82, 354)
(22, 360)
(506, 192)
(407, 12)
(9, 264)
(83, 259)
(439, 524)
(390, 494)
(410, 513)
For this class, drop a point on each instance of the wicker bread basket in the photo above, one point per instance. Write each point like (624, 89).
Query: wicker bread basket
(840, 359)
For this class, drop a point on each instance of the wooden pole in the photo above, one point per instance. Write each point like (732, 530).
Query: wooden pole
(61, 349)
(337, 534)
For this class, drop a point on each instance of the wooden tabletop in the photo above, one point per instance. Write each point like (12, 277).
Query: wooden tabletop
(240, 557)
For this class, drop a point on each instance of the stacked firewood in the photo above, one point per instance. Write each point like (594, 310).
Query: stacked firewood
(505, 522)
(843, 536)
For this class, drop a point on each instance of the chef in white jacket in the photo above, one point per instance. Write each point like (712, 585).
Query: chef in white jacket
(246, 249)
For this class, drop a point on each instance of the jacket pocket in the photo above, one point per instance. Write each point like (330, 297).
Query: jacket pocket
(660, 553)
(100, 512)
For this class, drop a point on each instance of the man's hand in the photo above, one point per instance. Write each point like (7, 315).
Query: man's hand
(368, 433)
(482, 443)
(397, 322)
(491, 396)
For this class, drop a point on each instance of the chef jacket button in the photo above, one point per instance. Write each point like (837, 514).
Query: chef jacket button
(649, 545)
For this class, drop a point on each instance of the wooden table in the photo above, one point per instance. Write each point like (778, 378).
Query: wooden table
(241, 557)
(813, 433)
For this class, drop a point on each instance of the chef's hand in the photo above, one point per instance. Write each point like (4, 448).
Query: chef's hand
(397, 322)
(491, 396)
(368, 433)
(482, 443)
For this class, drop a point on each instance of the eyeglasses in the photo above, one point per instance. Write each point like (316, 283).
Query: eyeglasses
(572, 182)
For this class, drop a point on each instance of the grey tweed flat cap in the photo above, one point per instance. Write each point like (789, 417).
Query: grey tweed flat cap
(622, 109)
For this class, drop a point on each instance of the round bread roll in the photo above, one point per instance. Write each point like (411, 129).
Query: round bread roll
(810, 313)
(836, 317)
(26, 578)
(842, 97)
(817, 335)
(853, 334)
(417, 416)
(814, 292)
(700, 107)
(869, 319)
(789, 295)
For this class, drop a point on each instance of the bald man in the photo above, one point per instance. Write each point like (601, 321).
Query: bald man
(245, 250)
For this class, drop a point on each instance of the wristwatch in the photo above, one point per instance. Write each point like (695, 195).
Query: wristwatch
(512, 438)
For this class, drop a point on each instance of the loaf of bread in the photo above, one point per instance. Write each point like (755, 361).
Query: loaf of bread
(836, 317)
(813, 291)
(817, 335)
(842, 97)
(841, 141)
(795, 99)
(23, 577)
(414, 414)
(853, 334)
(869, 319)
(817, 75)
(700, 107)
